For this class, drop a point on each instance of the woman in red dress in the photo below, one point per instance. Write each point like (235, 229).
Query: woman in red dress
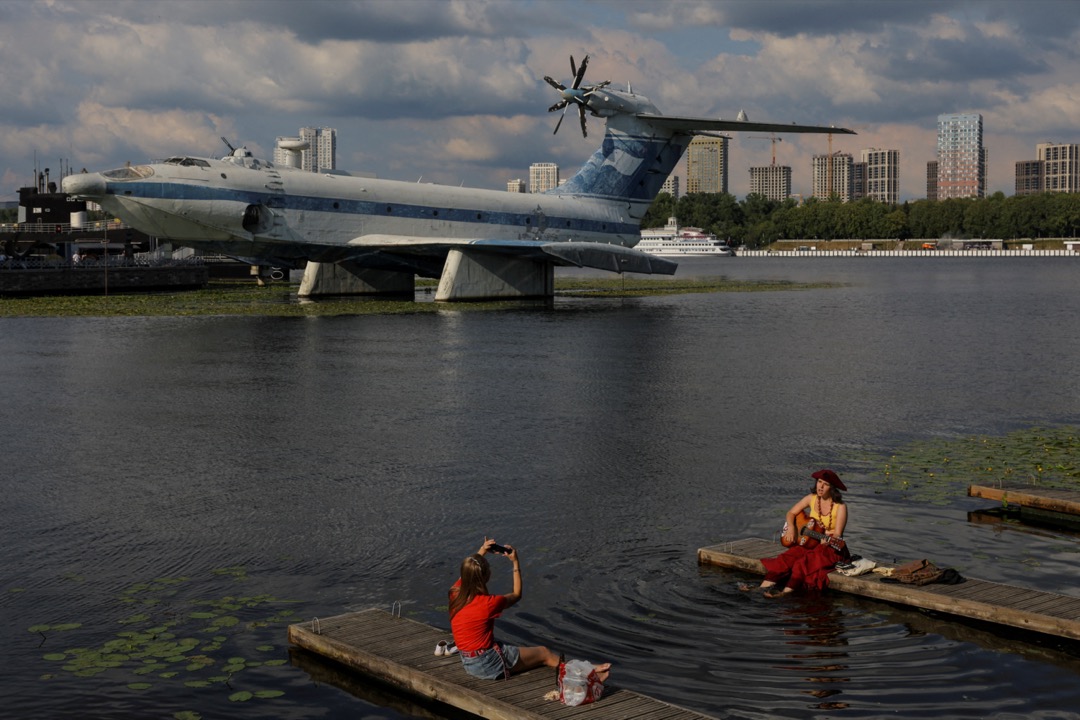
(799, 567)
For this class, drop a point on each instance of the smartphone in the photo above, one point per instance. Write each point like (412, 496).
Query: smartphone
(498, 549)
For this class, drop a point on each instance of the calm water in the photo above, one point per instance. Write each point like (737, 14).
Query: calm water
(153, 467)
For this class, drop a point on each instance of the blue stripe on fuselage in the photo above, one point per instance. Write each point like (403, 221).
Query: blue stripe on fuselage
(184, 191)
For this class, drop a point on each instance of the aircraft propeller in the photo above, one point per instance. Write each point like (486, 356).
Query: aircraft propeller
(576, 94)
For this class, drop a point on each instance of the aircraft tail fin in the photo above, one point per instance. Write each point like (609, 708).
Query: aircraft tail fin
(631, 164)
(640, 149)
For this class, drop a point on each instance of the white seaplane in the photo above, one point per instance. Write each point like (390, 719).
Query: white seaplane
(365, 235)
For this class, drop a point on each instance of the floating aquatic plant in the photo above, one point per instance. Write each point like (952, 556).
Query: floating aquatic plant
(176, 645)
(940, 469)
(280, 300)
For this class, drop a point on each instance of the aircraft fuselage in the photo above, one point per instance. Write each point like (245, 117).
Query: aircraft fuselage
(258, 209)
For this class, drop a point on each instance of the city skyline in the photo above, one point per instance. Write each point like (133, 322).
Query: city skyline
(453, 92)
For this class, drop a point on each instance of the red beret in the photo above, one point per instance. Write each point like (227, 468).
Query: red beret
(830, 477)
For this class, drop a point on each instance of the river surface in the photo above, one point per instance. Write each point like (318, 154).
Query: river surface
(216, 478)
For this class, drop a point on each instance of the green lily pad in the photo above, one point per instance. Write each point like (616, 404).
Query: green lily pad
(242, 696)
(268, 693)
(55, 657)
(141, 617)
(139, 686)
(187, 715)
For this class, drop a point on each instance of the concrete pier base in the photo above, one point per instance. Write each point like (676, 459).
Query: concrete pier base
(332, 279)
(470, 275)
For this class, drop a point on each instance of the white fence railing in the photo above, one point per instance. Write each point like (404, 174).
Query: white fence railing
(908, 253)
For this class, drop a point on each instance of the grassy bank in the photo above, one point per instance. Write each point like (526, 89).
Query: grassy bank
(280, 300)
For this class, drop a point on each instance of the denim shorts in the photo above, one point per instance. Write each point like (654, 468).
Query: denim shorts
(489, 665)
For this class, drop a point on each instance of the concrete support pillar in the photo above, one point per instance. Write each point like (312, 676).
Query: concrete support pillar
(473, 275)
(332, 279)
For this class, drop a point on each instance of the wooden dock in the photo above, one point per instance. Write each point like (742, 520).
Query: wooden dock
(1037, 504)
(1032, 610)
(400, 652)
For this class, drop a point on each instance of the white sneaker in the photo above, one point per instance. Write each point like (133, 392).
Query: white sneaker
(451, 649)
(440, 649)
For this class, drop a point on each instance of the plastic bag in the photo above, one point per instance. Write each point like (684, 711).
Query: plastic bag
(861, 566)
(578, 683)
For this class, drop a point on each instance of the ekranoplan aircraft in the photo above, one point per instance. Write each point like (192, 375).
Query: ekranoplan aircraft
(366, 235)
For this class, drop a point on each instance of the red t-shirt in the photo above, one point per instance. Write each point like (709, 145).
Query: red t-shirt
(474, 625)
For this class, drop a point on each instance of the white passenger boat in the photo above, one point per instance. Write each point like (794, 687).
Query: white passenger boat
(675, 241)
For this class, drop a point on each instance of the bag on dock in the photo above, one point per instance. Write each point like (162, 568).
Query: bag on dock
(578, 683)
(916, 572)
(857, 565)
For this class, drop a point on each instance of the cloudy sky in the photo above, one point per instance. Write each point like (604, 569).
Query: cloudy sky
(452, 90)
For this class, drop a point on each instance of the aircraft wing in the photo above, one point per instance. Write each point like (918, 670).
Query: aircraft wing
(692, 124)
(425, 253)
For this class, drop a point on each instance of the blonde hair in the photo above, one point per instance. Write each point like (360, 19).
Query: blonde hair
(475, 572)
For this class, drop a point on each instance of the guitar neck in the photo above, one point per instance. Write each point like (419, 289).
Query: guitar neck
(822, 537)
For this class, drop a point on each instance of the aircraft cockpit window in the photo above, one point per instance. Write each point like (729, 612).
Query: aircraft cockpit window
(136, 172)
(187, 162)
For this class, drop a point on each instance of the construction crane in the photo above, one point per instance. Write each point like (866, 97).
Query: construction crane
(774, 140)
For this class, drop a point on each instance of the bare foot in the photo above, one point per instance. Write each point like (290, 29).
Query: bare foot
(603, 671)
(745, 587)
(775, 593)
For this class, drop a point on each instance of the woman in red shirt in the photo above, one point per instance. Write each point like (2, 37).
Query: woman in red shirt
(472, 620)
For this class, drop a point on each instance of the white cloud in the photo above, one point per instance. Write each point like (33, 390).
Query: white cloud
(454, 89)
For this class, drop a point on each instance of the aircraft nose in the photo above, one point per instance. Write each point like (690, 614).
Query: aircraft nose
(84, 185)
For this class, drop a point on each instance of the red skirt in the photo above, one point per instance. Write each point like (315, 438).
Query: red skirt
(798, 568)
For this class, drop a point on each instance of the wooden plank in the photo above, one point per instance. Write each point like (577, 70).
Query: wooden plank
(1034, 610)
(400, 652)
(1052, 499)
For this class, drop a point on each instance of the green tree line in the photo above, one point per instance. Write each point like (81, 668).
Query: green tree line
(757, 221)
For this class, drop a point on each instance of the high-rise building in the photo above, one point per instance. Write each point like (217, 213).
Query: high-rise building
(1061, 167)
(931, 180)
(543, 177)
(882, 175)
(1028, 177)
(835, 178)
(321, 151)
(858, 180)
(671, 186)
(961, 156)
(515, 186)
(772, 181)
(1056, 169)
(707, 164)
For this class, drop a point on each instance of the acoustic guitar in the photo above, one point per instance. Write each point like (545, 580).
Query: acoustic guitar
(809, 533)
